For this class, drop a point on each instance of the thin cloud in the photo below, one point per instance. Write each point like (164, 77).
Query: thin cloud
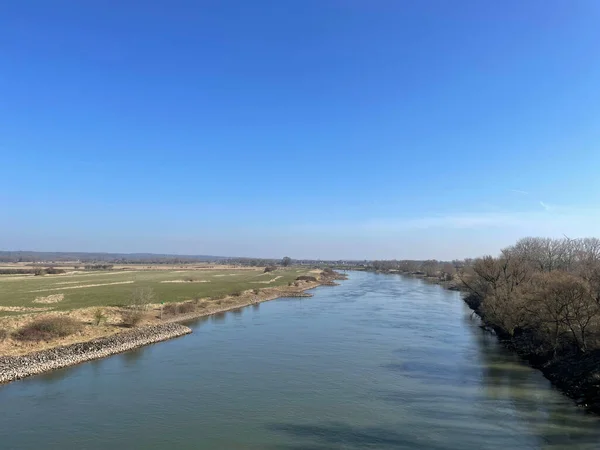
(540, 221)
(518, 191)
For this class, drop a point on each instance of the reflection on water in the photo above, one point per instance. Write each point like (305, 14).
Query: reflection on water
(131, 357)
(218, 317)
(380, 362)
(237, 311)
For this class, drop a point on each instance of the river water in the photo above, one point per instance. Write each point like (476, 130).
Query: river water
(381, 362)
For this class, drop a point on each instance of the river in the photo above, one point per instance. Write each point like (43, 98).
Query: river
(381, 362)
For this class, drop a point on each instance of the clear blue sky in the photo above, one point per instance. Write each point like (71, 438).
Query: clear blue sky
(312, 128)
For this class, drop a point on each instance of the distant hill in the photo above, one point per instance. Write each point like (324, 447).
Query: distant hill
(125, 258)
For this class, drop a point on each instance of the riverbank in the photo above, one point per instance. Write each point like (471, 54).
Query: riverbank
(19, 360)
(17, 367)
(576, 375)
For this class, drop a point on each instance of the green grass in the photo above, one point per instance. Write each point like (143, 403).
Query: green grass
(22, 291)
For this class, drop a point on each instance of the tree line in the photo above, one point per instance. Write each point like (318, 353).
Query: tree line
(547, 289)
(443, 270)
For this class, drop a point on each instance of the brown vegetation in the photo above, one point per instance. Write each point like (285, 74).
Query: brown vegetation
(542, 297)
(136, 310)
(306, 278)
(174, 309)
(99, 317)
(47, 328)
(544, 287)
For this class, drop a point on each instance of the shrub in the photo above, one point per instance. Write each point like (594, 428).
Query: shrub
(236, 294)
(270, 269)
(99, 316)
(46, 328)
(256, 291)
(142, 296)
(186, 308)
(138, 305)
(132, 317)
(171, 309)
(306, 278)
(3, 334)
(17, 271)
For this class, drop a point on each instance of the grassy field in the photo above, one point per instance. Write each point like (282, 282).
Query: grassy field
(19, 294)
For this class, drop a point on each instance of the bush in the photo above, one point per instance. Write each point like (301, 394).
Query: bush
(171, 309)
(138, 305)
(270, 269)
(16, 271)
(236, 294)
(3, 334)
(142, 296)
(186, 308)
(47, 328)
(132, 317)
(256, 291)
(306, 278)
(99, 316)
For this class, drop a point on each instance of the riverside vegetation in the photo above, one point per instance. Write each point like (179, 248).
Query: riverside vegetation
(541, 297)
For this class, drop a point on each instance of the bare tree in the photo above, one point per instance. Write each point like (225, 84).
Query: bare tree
(140, 300)
(448, 271)
(502, 281)
(546, 305)
(430, 267)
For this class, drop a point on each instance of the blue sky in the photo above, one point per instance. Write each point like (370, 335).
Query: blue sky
(309, 128)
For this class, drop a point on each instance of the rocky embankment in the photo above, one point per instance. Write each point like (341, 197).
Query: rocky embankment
(17, 367)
